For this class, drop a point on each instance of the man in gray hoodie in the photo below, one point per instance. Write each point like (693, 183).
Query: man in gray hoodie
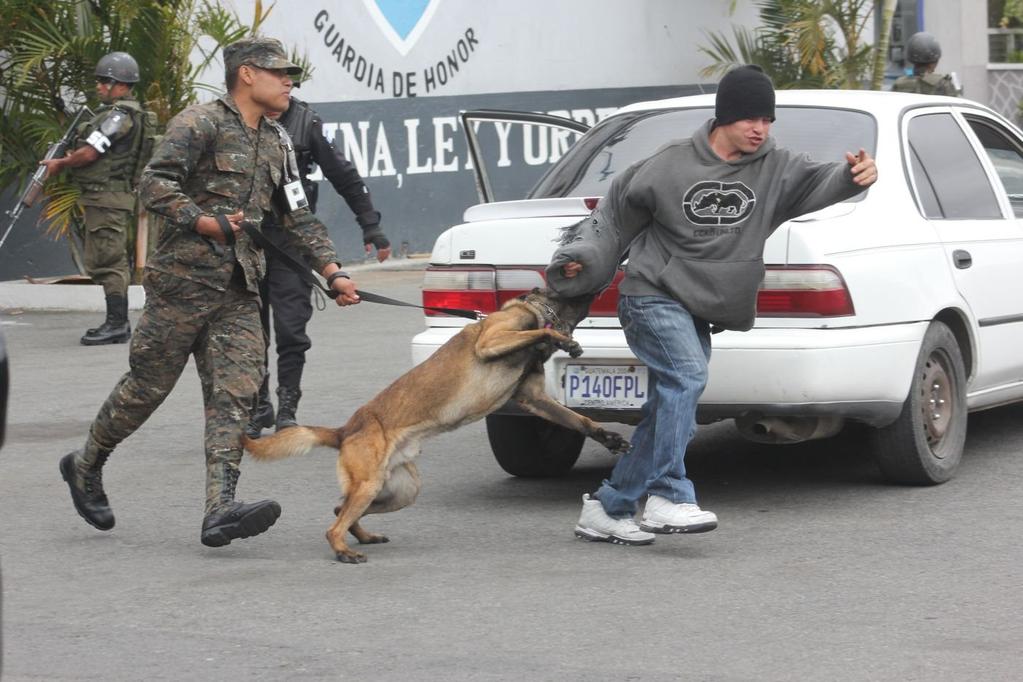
(703, 207)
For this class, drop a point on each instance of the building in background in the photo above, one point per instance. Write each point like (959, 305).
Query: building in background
(391, 76)
(959, 26)
(1001, 48)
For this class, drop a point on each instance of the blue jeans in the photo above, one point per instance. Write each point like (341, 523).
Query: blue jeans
(675, 347)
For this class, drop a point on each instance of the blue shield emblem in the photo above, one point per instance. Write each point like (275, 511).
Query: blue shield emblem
(402, 21)
(402, 15)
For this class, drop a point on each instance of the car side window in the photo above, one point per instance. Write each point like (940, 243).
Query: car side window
(1005, 156)
(949, 164)
(924, 188)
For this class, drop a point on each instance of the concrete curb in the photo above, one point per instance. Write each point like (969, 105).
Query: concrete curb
(20, 295)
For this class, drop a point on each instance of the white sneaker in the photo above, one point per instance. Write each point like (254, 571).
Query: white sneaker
(596, 526)
(664, 516)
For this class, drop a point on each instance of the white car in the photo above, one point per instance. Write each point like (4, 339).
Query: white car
(899, 308)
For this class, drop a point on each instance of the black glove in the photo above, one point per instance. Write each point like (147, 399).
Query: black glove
(372, 234)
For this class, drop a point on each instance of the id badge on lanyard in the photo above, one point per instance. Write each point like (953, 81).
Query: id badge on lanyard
(293, 191)
(295, 194)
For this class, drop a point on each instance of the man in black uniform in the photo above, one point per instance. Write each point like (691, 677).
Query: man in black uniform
(282, 289)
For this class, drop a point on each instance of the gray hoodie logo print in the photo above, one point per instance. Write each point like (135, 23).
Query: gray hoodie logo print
(711, 202)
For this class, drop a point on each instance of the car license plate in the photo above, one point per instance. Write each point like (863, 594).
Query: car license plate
(616, 387)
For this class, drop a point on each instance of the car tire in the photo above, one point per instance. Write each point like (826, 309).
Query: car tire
(531, 447)
(924, 446)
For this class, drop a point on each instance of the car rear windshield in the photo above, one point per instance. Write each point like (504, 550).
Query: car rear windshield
(619, 141)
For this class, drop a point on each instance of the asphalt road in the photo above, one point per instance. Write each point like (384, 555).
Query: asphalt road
(818, 571)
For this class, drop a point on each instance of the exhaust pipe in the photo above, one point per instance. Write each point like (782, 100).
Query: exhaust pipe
(775, 430)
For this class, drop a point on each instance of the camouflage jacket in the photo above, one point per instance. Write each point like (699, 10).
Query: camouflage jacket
(927, 84)
(209, 163)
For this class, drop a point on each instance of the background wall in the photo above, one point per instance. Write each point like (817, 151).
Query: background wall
(521, 46)
(390, 76)
(961, 28)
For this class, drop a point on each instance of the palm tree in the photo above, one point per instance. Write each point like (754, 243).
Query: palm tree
(843, 63)
(803, 43)
(767, 46)
(881, 53)
(48, 52)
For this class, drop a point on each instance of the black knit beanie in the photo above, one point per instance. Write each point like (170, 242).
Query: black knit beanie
(744, 92)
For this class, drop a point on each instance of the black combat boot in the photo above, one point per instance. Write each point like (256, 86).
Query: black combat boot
(86, 483)
(262, 415)
(115, 329)
(287, 404)
(227, 519)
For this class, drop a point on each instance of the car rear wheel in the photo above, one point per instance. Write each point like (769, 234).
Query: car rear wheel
(532, 447)
(925, 444)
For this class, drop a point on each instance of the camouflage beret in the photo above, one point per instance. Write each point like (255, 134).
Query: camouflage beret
(265, 53)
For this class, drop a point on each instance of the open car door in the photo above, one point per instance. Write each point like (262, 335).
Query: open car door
(490, 132)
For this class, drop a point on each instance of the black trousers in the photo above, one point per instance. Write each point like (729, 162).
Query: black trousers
(291, 300)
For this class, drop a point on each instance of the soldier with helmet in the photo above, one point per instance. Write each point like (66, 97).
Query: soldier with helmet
(924, 51)
(103, 166)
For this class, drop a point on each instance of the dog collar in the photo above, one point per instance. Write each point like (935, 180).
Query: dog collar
(546, 311)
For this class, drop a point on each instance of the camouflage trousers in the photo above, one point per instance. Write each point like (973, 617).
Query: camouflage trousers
(222, 331)
(106, 247)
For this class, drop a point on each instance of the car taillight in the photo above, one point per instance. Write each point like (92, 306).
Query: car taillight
(803, 291)
(793, 291)
(460, 288)
(512, 283)
(482, 289)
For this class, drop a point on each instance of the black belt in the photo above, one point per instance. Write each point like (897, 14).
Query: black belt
(303, 271)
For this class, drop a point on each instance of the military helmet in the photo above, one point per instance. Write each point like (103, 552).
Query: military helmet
(120, 66)
(923, 48)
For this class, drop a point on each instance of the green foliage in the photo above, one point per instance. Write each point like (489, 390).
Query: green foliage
(765, 46)
(801, 44)
(48, 53)
(1005, 13)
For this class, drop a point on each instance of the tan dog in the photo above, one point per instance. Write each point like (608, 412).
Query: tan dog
(477, 371)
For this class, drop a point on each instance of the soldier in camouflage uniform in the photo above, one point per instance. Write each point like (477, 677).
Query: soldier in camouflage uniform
(219, 164)
(103, 166)
(924, 51)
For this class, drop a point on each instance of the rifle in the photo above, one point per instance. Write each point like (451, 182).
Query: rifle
(35, 184)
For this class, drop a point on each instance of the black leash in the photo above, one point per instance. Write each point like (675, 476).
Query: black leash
(307, 276)
(458, 312)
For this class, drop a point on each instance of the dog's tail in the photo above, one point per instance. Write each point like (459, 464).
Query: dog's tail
(297, 440)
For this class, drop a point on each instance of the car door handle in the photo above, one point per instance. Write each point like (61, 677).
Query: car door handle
(962, 259)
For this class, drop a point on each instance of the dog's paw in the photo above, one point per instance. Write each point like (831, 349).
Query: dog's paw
(350, 557)
(612, 441)
(572, 347)
(373, 539)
